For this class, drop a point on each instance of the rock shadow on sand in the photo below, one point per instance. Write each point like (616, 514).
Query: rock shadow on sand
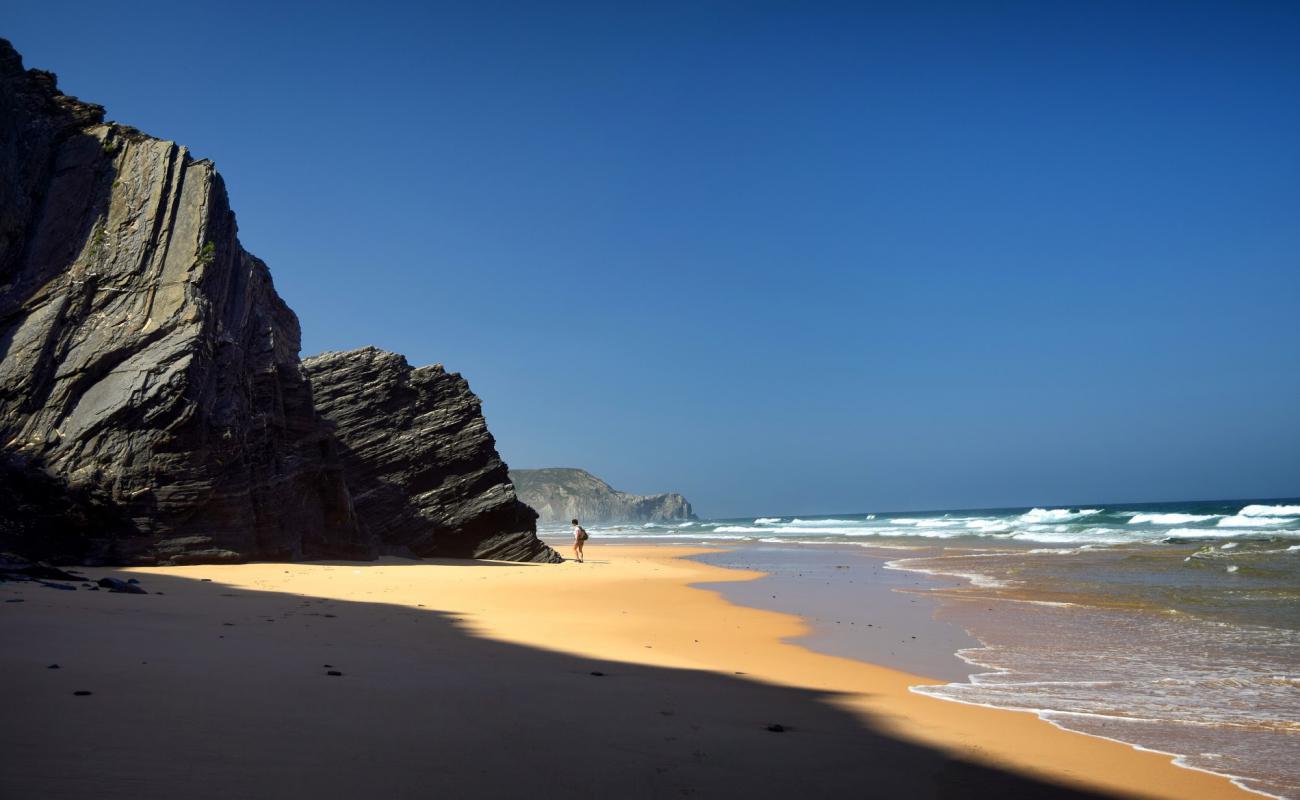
(203, 690)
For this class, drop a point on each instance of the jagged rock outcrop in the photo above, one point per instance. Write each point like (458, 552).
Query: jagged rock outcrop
(145, 358)
(559, 494)
(423, 468)
(152, 402)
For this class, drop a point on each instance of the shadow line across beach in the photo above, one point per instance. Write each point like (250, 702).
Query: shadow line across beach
(205, 690)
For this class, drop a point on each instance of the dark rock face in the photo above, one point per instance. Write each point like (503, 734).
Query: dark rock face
(153, 408)
(145, 357)
(559, 494)
(423, 468)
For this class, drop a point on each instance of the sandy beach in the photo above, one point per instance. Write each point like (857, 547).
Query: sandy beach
(614, 678)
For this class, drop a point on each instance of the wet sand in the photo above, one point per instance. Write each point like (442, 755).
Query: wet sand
(853, 605)
(611, 678)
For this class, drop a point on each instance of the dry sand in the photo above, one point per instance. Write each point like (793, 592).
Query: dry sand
(476, 679)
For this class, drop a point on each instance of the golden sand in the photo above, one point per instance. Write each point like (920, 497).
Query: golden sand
(413, 637)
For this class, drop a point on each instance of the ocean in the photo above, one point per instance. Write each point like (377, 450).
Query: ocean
(1169, 626)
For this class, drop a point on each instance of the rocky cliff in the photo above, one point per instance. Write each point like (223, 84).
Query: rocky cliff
(423, 468)
(560, 494)
(149, 372)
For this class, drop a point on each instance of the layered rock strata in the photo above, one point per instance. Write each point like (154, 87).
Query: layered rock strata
(149, 372)
(560, 494)
(423, 468)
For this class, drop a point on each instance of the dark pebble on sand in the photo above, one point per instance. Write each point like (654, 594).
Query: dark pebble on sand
(15, 600)
(597, 673)
(121, 587)
(82, 693)
(132, 580)
(778, 728)
(53, 666)
(205, 580)
(335, 673)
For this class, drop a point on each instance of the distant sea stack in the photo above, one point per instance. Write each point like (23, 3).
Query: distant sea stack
(153, 408)
(559, 494)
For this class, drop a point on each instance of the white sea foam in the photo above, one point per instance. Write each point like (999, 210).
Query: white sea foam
(767, 520)
(975, 578)
(927, 522)
(1089, 536)
(803, 522)
(1232, 533)
(1038, 515)
(989, 525)
(1245, 521)
(693, 535)
(1169, 519)
(1269, 511)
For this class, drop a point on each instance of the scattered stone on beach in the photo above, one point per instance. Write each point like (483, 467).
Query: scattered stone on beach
(82, 693)
(334, 673)
(121, 587)
(205, 580)
(54, 666)
(65, 587)
(776, 728)
(597, 673)
(15, 600)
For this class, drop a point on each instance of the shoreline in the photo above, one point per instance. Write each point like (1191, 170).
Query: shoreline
(634, 610)
(820, 634)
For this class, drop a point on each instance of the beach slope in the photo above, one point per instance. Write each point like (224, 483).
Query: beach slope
(485, 679)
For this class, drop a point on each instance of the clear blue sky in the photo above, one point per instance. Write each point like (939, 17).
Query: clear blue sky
(782, 257)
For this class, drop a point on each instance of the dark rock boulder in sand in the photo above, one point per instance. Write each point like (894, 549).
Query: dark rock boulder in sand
(153, 407)
(423, 469)
(560, 494)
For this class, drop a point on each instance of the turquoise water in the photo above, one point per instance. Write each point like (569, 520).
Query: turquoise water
(1171, 626)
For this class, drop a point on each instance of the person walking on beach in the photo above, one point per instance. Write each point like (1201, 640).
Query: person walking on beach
(579, 536)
